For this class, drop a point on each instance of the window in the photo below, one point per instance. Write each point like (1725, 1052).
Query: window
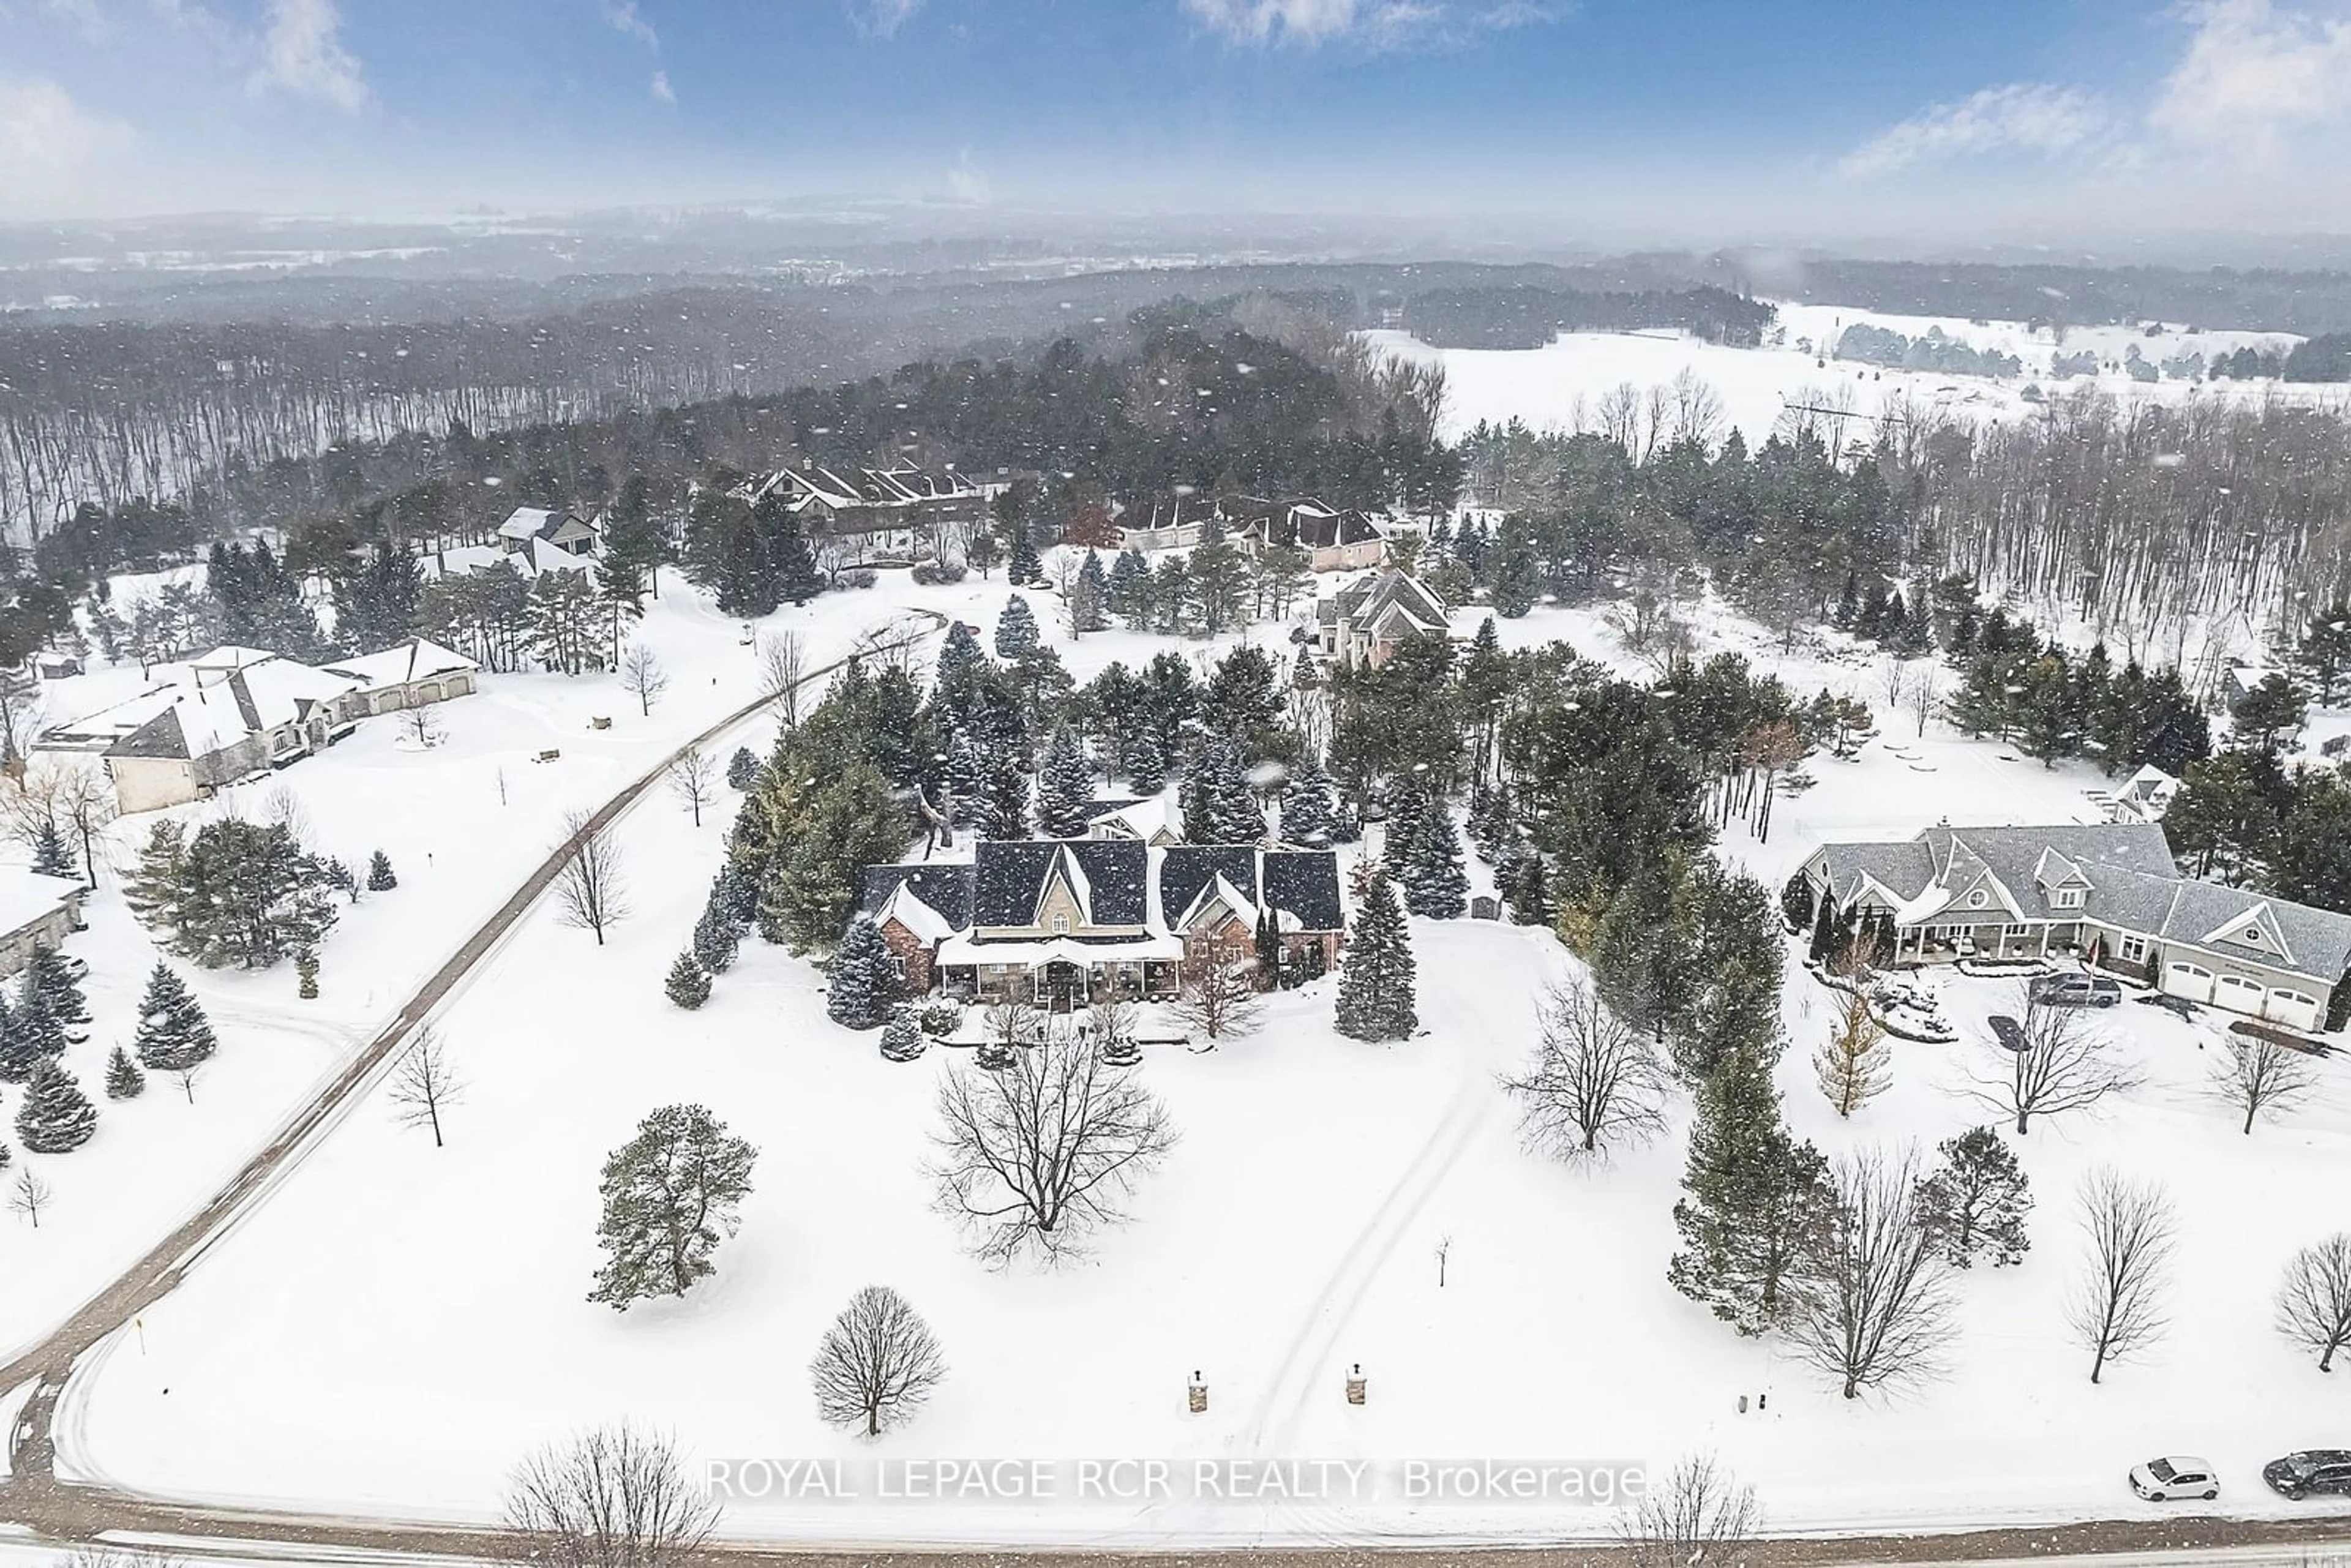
(2012, 932)
(1060, 926)
(2252, 936)
(1978, 899)
(2067, 898)
(2132, 949)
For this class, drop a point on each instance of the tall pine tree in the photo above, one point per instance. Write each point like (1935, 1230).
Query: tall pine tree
(1375, 977)
(1065, 786)
(57, 1116)
(173, 1035)
(862, 982)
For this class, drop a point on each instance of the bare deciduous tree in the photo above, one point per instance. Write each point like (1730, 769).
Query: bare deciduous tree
(1926, 697)
(423, 726)
(1697, 1513)
(642, 677)
(1444, 1256)
(1893, 680)
(616, 1497)
(1043, 1150)
(1218, 993)
(1594, 1082)
(2117, 1308)
(877, 1363)
(693, 779)
(1852, 1062)
(783, 665)
(29, 1197)
(2314, 1298)
(1874, 1306)
(423, 1081)
(588, 892)
(2065, 1063)
(2261, 1076)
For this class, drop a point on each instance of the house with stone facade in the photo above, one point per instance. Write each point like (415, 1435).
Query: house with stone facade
(1368, 617)
(1062, 922)
(2108, 891)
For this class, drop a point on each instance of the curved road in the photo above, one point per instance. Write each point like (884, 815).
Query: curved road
(31, 1495)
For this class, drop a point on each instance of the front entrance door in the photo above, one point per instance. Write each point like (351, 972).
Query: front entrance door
(1063, 986)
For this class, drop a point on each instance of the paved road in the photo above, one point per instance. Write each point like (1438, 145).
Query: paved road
(33, 1496)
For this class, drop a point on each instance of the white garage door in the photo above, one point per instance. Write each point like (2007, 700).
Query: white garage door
(2239, 995)
(2190, 980)
(2294, 1009)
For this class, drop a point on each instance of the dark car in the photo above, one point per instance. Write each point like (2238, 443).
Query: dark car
(2078, 990)
(2313, 1470)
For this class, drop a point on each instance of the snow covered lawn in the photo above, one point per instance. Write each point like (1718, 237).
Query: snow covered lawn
(462, 822)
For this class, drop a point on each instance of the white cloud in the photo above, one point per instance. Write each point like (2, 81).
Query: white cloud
(303, 55)
(662, 89)
(2024, 117)
(2252, 74)
(47, 142)
(882, 18)
(1366, 24)
(966, 183)
(622, 16)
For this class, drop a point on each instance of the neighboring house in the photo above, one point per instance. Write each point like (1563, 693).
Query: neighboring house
(233, 712)
(1158, 822)
(566, 533)
(2144, 797)
(1367, 618)
(533, 558)
(1333, 539)
(2238, 681)
(893, 513)
(35, 912)
(2110, 891)
(1062, 922)
(408, 675)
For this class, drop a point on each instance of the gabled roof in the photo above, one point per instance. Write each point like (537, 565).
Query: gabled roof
(1304, 886)
(1009, 878)
(417, 659)
(1388, 596)
(26, 897)
(1186, 870)
(944, 887)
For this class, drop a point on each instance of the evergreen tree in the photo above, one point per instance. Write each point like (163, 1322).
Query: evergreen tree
(1376, 978)
(306, 974)
(1309, 813)
(57, 978)
(1130, 588)
(862, 981)
(791, 562)
(152, 891)
(742, 768)
(1436, 886)
(1146, 765)
(380, 878)
(1976, 1200)
(688, 984)
(173, 1035)
(1230, 812)
(123, 1079)
(1755, 1201)
(29, 1035)
(1017, 638)
(1065, 786)
(1003, 804)
(57, 1117)
(902, 1037)
(716, 934)
(1090, 595)
(51, 855)
(248, 896)
(1218, 577)
(1406, 806)
(1265, 942)
(1530, 893)
(670, 1197)
(1021, 562)
(1852, 1062)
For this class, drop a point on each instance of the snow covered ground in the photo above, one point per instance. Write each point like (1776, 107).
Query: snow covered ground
(398, 1324)
(1560, 386)
(462, 822)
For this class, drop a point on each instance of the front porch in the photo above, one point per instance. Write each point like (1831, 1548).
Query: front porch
(1060, 984)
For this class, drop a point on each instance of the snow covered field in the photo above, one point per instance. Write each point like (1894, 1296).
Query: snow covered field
(463, 823)
(1560, 386)
(399, 1324)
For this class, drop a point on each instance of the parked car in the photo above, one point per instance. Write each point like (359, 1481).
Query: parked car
(2311, 1471)
(2159, 1480)
(2078, 990)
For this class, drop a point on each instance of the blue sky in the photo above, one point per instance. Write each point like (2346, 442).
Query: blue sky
(1671, 119)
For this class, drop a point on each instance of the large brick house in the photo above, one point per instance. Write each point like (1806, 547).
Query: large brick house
(1066, 922)
(876, 513)
(2109, 891)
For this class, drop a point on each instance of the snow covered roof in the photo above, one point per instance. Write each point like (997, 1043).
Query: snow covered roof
(964, 949)
(1137, 819)
(228, 656)
(528, 522)
(279, 691)
(904, 906)
(944, 887)
(1010, 877)
(418, 659)
(27, 898)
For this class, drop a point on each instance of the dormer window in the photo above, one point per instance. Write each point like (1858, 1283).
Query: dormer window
(1060, 926)
(2067, 898)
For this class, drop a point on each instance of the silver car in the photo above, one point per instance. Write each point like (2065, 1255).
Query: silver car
(2177, 1475)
